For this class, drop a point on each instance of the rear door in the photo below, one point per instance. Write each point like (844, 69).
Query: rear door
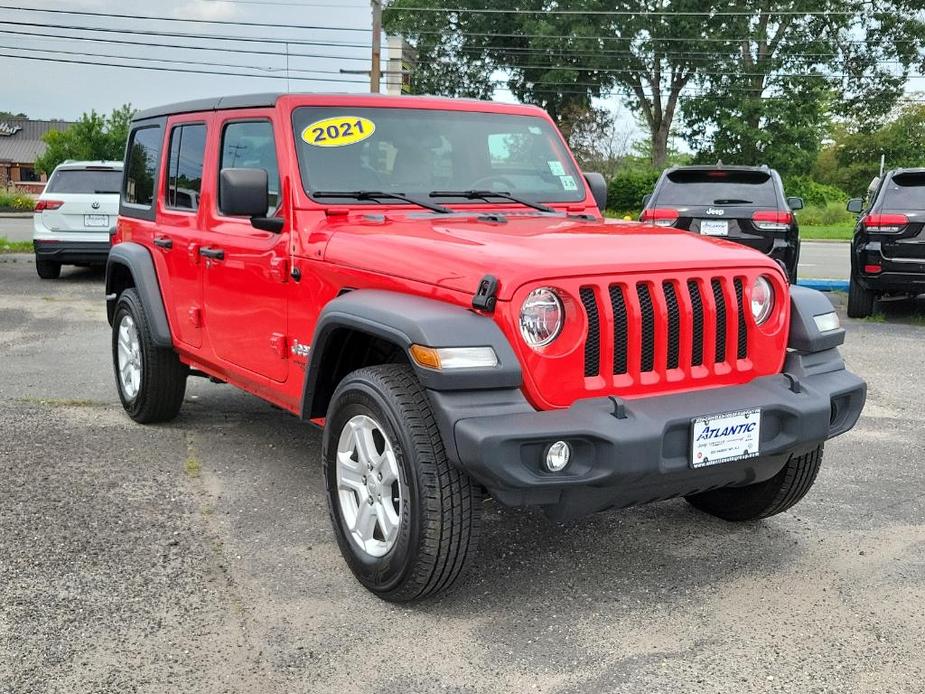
(245, 269)
(176, 239)
(904, 194)
(723, 203)
(82, 200)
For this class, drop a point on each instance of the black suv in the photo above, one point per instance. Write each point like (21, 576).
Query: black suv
(888, 249)
(745, 204)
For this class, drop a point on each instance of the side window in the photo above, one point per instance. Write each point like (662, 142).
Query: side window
(184, 167)
(250, 145)
(144, 150)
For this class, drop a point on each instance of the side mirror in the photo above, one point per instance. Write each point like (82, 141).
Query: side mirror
(244, 193)
(795, 203)
(598, 186)
(646, 199)
(856, 205)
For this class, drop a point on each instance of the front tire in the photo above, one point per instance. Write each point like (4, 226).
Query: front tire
(47, 269)
(764, 499)
(406, 520)
(151, 380)
(860, 300)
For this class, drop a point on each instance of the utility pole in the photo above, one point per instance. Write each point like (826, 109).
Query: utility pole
(377, 48)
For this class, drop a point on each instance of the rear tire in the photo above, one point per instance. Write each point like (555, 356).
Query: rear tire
(47, 269)
(764, 499)
(431, 510)
(151, 380)
(860, 300)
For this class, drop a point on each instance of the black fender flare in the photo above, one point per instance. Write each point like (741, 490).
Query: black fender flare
(805, 336)
(137, 260)
(405, 320)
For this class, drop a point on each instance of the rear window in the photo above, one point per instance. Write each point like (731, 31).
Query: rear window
(714, 187)
(141, 166)
(905, 191)
(91, 181)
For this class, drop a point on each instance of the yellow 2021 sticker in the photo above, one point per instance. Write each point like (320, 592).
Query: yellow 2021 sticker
(338, 131)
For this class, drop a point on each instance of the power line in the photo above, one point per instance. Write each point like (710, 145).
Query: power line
(221, 49)
(186, 35)
(621, 13)
(281, 71)
(224, 22)
(183, 70)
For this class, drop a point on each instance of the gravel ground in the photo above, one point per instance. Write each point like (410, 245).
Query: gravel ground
(197, 556)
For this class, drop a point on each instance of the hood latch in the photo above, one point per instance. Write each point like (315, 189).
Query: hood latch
(486, 295)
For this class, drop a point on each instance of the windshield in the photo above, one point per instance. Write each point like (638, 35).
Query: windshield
(701, 187)
(905, 192)
(418, 152)
(85, 181)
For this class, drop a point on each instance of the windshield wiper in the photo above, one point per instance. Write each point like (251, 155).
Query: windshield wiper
(105, 192)
(486, 195)
(376, 195)
(731, 201)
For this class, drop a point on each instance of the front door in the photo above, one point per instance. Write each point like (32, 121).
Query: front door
(245, 269)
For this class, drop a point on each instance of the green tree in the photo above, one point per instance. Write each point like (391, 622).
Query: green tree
(772, 97)
(560, 59)
(93, 136)
(853, 159)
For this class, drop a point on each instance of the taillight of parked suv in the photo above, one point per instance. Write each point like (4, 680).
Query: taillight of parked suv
(42, 205)
(885, 223)
(660, 216)
(770, 220)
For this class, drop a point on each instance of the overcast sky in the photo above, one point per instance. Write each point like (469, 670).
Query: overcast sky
(48, 90)
(45, 89)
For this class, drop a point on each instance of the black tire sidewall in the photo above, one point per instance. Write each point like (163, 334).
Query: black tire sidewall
(129, 304)
(47, 269)
(386, 574)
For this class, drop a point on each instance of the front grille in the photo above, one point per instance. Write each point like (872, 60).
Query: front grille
(661, 327)
(593, 340)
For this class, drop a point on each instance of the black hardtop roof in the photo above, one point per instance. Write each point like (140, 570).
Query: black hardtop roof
(211, 104)
(265, 100)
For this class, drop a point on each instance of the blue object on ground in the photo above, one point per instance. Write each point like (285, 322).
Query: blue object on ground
(825, 285)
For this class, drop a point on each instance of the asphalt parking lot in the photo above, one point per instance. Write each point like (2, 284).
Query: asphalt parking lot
(197, 556)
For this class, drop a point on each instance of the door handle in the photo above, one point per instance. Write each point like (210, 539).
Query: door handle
(216, 253)
(163, 242)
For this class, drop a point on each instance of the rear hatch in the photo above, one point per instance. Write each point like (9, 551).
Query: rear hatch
(903, 196)
(741, 205)
(81, 200)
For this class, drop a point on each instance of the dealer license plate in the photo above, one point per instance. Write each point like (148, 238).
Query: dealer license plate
(96, 220)
(714, 227)
(723, 438)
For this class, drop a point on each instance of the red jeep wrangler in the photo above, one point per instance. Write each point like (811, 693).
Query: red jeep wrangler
(431, 281)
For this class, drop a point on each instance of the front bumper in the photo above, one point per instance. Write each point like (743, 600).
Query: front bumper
(631, 452)
(73, 252)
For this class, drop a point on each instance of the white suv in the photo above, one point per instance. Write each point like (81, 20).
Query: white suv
(74, 214)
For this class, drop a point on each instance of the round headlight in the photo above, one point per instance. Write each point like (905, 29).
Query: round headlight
(541, 317)
(762, 299)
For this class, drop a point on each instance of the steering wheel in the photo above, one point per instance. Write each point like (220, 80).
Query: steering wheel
(486, 181)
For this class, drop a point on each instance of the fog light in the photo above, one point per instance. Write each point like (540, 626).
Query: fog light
(557, 456)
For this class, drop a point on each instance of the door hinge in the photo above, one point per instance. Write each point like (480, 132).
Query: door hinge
(195, 316)
(280, 345)
(279, 269)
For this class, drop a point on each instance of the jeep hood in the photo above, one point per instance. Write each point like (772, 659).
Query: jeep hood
(456, 252)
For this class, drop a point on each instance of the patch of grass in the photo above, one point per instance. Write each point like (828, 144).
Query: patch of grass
(192, 467)
(836, 232)
(878, 317)
(7, 246)
(13, 201)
